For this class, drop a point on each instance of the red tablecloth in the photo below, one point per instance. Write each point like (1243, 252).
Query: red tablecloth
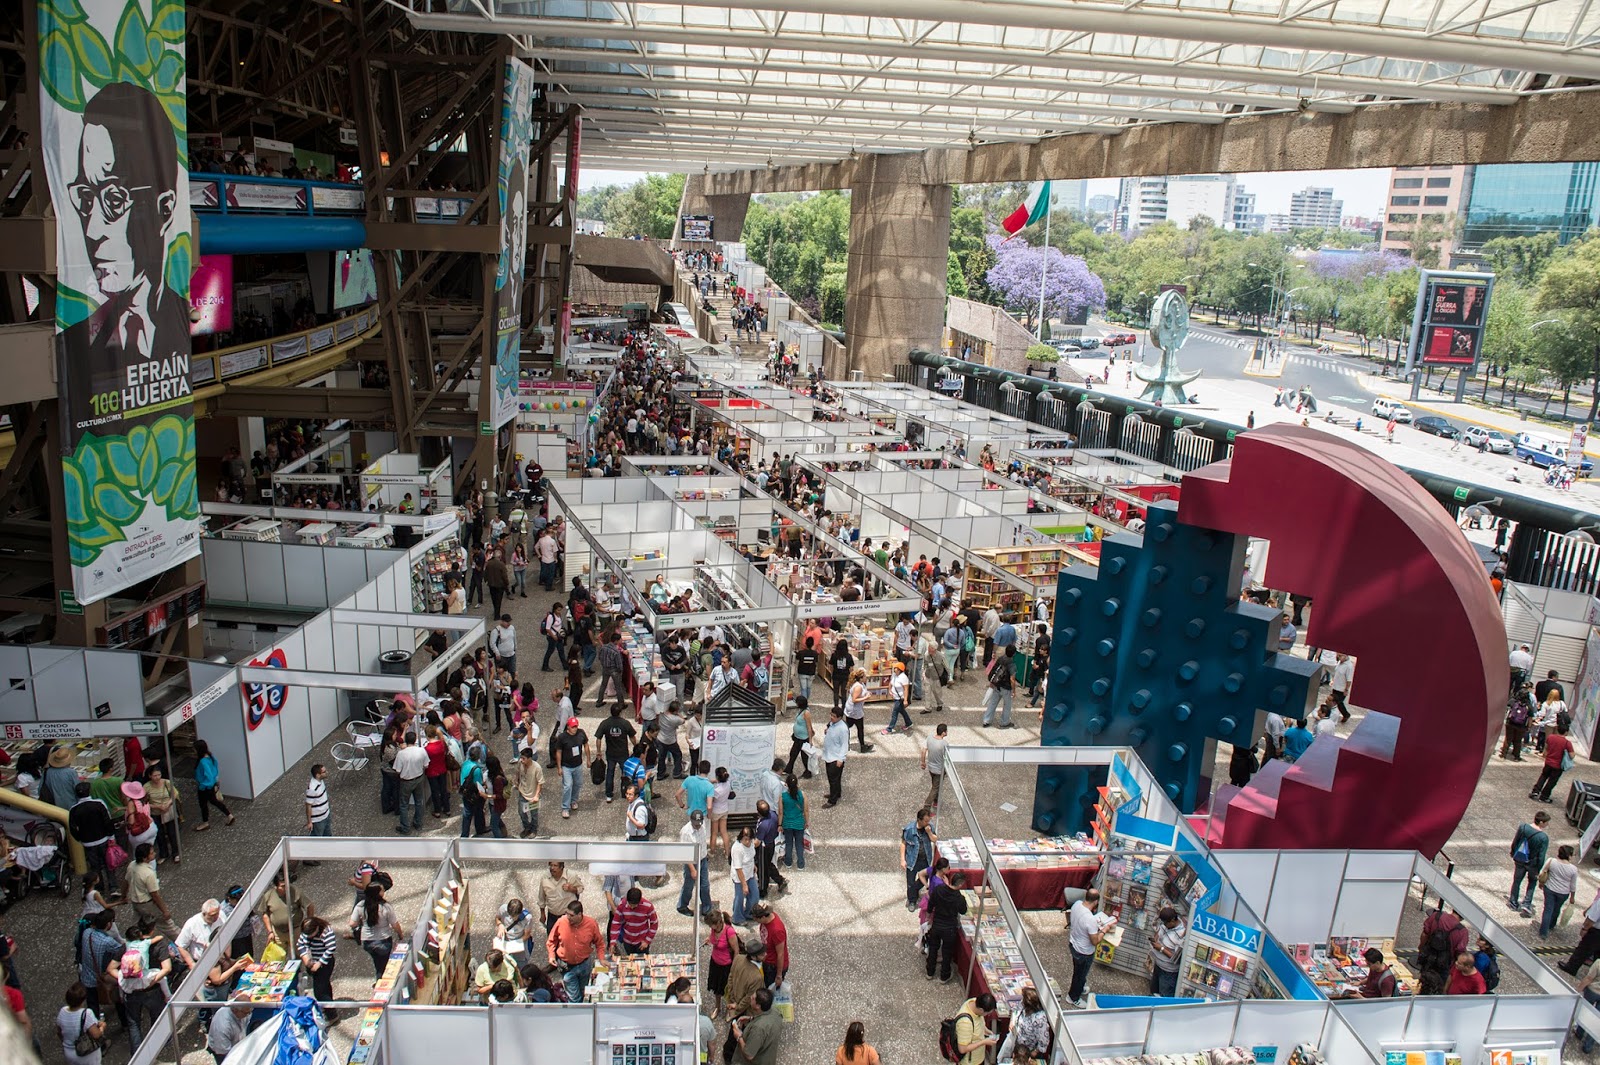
(977, 984)
(1040, 889)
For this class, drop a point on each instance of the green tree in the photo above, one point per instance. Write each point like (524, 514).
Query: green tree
(1570, 290)
(955, 282)
(1507, 335)
(1429, 232)
(647, 208)
(1521, 259)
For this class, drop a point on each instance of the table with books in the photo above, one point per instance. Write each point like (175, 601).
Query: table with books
(1035, 871)
(999, 968)
(1339, 969)
(638, 977)
(266, 984)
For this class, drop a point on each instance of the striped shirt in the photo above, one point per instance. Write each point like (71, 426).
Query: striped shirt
(634, 925)
(319, 948)
(317, 800)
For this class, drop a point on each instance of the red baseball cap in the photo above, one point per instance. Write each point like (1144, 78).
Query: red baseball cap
(572, 722)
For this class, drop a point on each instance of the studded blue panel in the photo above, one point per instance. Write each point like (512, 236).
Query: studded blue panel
(1152, 650)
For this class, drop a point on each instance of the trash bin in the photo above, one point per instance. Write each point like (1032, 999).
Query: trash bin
(1578, 799)
(395, 663)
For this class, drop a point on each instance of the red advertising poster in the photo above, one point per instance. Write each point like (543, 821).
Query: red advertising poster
(1446, 345)
(211, 296)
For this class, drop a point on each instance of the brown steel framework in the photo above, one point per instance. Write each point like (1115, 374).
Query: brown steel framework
(425, 106)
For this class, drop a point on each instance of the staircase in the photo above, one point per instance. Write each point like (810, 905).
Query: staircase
(719, 330)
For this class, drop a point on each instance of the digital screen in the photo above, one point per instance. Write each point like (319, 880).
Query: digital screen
(211, 296)
(1456, 304)
(697, 227)
(1445, 344)
(355, 282)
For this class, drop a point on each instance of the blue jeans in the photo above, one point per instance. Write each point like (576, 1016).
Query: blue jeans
(497, 825)
(898, 712)
(745, 896)
(794, 851)
(991, 703)
(571, 785)
(803, 684)
(554, 647)
(914, 674)
(588, 652)
(472, 823)
(1553, 901)
(1522, 870)
(686, 893)
(547, 574)
(323, 827)
(576, 979)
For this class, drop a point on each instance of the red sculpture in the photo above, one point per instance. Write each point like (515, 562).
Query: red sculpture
(1396, 585)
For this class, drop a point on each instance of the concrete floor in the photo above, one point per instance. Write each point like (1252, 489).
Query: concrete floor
(851, 937)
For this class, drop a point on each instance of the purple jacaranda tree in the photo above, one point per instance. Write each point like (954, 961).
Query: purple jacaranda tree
(1070, 286)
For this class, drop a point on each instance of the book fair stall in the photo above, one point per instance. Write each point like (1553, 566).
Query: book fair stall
(1269, 945)
(423, 1008)
(397, 481)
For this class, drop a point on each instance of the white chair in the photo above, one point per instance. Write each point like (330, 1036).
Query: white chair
(364, 736)
(348, 758)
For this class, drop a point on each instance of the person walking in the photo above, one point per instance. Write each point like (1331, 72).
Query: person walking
(574, 944)
(527, 785)
(1528, 848)
(616, 734)
(1002, 680)
(1588, 947)
(840, 665)
(742, 871)
(411, 771)
(554, 629)
(769, 827)
(1519, 713)
(699, 872)
(855, 708)
(89, 822)
(144, 892)
(835, 748)
(613, 671)
(503, 645)
(497, 575)
(572, 747)
(1558, 879)
(319, 812)
(918, 846)
(800, 736)
(946, 904)
(855, 1050)
(205, 784)
(74, 1022)
(933, 762)
(1557, 760)
(794, 819)
(1339, 680)
(1086, 929)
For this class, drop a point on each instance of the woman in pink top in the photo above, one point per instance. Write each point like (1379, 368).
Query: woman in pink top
(723, 941)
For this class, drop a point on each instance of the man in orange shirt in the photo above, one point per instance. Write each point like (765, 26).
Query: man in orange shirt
(574, 944)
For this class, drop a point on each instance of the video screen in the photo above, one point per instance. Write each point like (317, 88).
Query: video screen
(697, 227)
(355, 282)
(1452, 303)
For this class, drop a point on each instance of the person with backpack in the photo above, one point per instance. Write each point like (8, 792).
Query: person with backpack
(1380, 981)
(965, 1038)
(1519, 711)
(475, 793)
(1444, 936)
(1487, 961)
(1002, 680)
(1529, 847)
(554, 630)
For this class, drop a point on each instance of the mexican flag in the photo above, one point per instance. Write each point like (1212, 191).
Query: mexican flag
(1033, 208)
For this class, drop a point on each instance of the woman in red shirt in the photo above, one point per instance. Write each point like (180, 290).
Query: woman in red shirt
(438, 787)
(1557, 757)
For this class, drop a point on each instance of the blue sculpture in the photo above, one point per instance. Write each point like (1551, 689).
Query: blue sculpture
(1155, 652)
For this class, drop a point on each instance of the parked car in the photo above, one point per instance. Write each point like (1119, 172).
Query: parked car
(1544, 452)
(1388, 408)
(1117, 340)
(1487, 440)
(1434, 425)
(1087, 343)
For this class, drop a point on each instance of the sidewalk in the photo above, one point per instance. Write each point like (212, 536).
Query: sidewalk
(1468, 412)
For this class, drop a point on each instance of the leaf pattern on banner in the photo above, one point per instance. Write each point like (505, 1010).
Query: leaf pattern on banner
(108, 480)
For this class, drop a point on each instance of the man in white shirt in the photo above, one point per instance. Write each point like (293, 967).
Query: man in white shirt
(1083, 935)
(319, 812)
(698, 833)
(1275, 727)
(228, 1028)
(195, 935)
(989, 625)
(410, 765)
(503, 644)
(650, 706)
(1521, 662)
(835, 748)
(773, 784)
(1344, 671)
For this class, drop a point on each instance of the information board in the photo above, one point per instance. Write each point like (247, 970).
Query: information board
(1452, 310)
(697, 226)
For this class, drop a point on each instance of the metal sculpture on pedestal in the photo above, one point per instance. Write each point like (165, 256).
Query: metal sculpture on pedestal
(1155, 651)
(1169, 328)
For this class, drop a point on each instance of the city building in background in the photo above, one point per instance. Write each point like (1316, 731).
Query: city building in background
(1245, 218)
(1102, 204)
(1069, 195)
(1315, 208)
(1424, 192)
(1519, 200)
(1142, 203)
(1194, 196)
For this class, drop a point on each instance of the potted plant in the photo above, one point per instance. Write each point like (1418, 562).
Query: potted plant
(1041, 356)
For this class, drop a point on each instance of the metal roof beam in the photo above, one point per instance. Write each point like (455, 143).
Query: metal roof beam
(609, 102)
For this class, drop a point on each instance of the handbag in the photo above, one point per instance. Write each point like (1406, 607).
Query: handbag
(1544, 875)
(1566, 761)
(116, 857)
(85, 1044)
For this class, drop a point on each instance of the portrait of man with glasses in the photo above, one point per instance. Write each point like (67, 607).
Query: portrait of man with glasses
(125, 199)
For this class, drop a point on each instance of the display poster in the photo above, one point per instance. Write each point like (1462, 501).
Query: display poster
(211, 296)
(113, 123)
(1451, 319)
(747, 752)
(1585, 706)
(516, 131)
(697, 227)
(355, 281)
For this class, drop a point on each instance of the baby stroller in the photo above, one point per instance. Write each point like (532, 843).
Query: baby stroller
(45, 860)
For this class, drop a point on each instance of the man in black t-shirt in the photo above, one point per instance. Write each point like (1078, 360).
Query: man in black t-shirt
(572, 750)
(617, 733)
(805, 666)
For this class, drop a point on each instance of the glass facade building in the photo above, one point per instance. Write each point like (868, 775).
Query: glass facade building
(1518, 200)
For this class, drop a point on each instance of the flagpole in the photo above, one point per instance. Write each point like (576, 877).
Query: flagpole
(1044, 259)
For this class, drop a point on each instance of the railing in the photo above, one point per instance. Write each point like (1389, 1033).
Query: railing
(212, 367)
(244, 194)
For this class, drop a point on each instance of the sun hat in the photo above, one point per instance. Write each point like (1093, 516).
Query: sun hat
(60, 758)
(133, 789)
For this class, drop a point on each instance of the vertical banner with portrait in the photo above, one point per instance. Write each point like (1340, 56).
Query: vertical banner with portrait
(516, 134)
(113, 120)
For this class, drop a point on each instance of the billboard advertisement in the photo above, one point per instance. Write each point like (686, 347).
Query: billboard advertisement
(516, 134)
(113, 119)
(211, 296)
(355, 281)
(697, 226)
(1452, 318)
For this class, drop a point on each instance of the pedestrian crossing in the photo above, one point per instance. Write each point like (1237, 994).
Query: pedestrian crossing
(1328, 365)
(1223, 338)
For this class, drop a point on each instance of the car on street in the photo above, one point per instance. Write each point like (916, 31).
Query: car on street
(1117, 340)
(1544, 452)
(1487, 440)
(1434, 425)
(1384, 407)
(1087, 343)
(1067, 347)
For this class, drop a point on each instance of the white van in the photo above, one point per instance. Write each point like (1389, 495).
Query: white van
(1387, 408)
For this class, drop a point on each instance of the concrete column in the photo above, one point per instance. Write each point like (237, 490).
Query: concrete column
(727, 208)
(898, 259)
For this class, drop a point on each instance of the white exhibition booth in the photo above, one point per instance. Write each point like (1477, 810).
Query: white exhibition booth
(407, 1026)
(388, 480)
(1287, 898)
